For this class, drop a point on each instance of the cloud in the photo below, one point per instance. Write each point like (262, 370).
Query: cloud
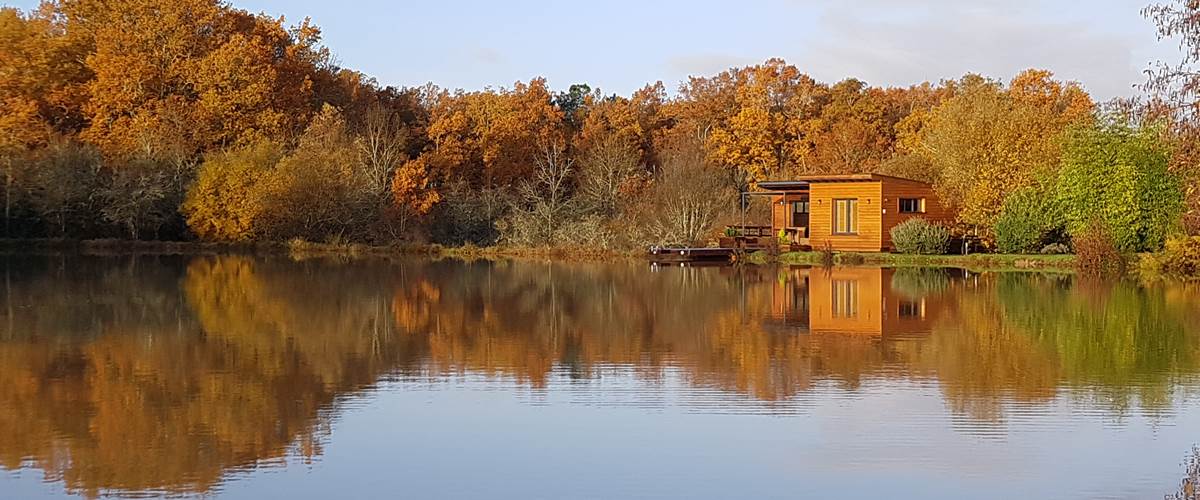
(887, 45)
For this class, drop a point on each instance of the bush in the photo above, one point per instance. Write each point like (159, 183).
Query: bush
(591, 231)
(1179, 259)
(919, 236)
(467, 215)
(1096, 253)
(827, 255)
(1029, 220)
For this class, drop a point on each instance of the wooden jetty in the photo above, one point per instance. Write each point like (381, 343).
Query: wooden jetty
(676, 255)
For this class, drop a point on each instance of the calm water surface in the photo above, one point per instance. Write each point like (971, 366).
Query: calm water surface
(242, 377)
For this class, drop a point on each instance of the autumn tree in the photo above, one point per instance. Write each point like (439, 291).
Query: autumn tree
(854, 132)
(640, 120)
(544, 201)
(21, 130)
(63, 182)
(749, 118)
(487, 138)
(1174, 88)
(43, 68)
(606, 170)
(688, 199)
(225, 203)
(231, 78)
(315, 192)
(988, 141)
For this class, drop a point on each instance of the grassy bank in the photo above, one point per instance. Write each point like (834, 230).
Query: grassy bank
(973, 261)
(301, 249)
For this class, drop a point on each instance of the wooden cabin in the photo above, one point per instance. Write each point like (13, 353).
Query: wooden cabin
(851, 300)
(849, 212)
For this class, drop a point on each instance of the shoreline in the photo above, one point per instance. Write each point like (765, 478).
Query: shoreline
(304, 249)
(978, 261)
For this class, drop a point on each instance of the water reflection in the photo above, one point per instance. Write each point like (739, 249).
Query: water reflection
(166, 375)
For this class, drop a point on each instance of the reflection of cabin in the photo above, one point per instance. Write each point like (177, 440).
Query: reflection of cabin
(853, 300)
(852, 212)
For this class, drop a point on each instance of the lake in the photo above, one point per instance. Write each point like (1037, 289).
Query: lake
(265, 377)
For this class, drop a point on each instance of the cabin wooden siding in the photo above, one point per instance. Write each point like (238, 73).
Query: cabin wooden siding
(893, 191)
(869, 194)
(828, 314)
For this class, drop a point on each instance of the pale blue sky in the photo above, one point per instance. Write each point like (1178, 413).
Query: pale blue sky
(621, 45)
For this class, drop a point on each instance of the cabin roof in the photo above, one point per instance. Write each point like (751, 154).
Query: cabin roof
(783, 185)
(802, 182)
(851, 178)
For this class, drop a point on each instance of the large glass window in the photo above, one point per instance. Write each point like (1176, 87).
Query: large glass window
(845, 216)
(845, 298)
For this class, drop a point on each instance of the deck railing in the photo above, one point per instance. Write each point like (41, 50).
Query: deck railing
(748, 231)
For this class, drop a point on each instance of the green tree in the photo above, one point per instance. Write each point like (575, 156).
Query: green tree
(1118, 176)
(988, 141)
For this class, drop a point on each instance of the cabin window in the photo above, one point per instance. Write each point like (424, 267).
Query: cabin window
(912, 205)
(912, 309)
(800, 213)
(845, 216)
(845, 298)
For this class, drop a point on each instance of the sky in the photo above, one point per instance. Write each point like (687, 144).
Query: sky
(621, 45)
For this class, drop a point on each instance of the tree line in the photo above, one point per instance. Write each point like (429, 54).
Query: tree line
(118, 123)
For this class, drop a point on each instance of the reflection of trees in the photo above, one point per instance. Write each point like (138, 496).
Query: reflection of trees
(1023, 336)
(165, 374)
(111, 382)
(980, 359)
(1189, 486)
(1120, 339)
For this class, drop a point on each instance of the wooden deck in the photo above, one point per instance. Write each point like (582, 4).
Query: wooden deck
(751, 238)
(674, 255)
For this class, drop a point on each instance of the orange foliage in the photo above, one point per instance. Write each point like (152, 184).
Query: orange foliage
(489, 138)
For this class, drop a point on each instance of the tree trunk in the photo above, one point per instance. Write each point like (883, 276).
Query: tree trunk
(8, 180)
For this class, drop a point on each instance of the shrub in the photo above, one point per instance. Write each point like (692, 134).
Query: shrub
(1029, 220)
(919, 236)
(827, 255)
(468, 215)
(591, 231)
(1096, 253)
(1179, 259)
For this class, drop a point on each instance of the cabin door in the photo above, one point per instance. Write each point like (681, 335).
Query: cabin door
(799, 216)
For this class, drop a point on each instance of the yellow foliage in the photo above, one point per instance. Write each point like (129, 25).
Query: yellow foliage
(225, 201)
